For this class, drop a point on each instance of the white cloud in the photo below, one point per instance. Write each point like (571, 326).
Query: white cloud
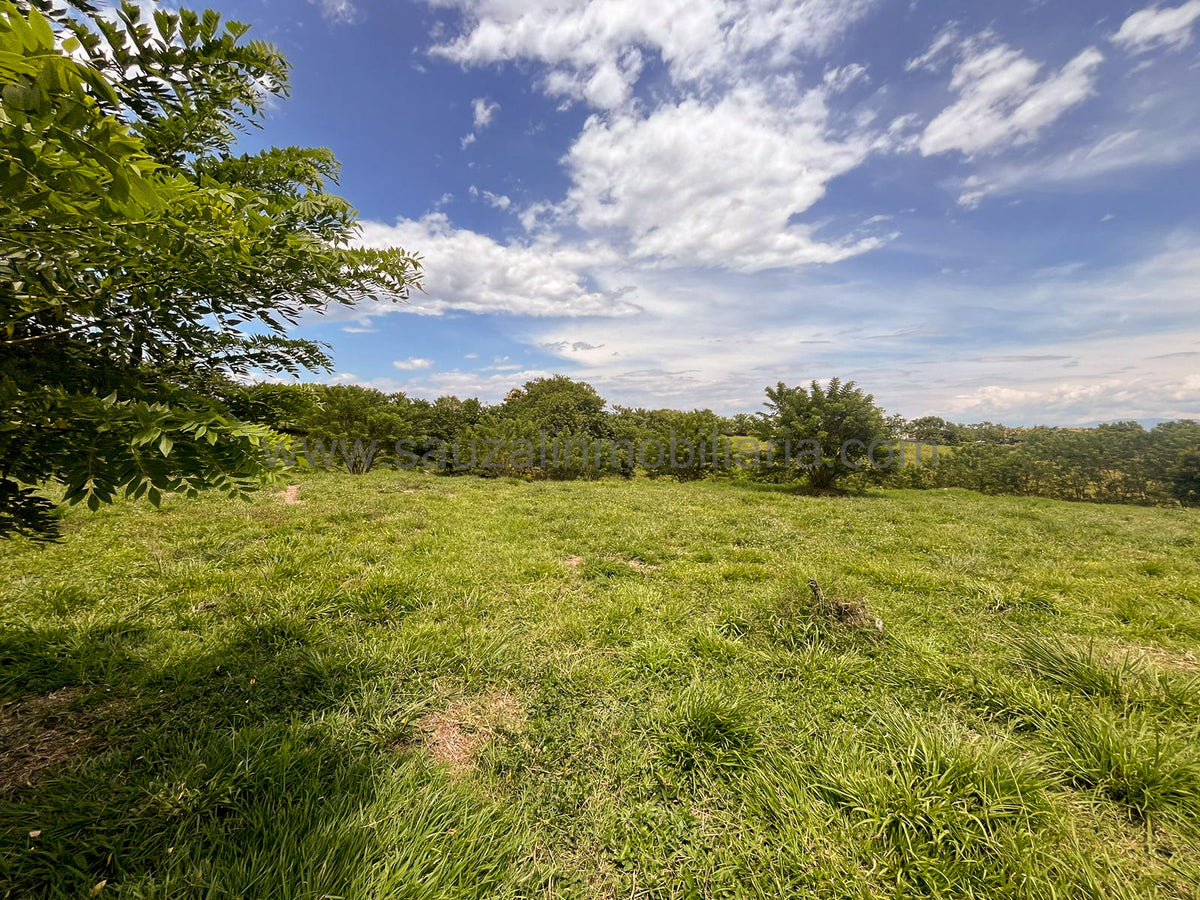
(839, 79)
(413, 363)
(467, 141)
(1064, 339)
(1119, 151)
(715, 185)
(483, 112)
(1158, 26)
(466, 271)
(931, 58)
(1001, 101)
(593, 50)
(496, 201)
(340, 12)
(1082, 402)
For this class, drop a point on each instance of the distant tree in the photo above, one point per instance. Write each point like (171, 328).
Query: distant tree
(933, 429)
(823, 431)
(557, 405)
(448, 418)
(988, 433)
(281, 407)
(360, 424)
(744, 424)
(1183, 478)
(136, 249)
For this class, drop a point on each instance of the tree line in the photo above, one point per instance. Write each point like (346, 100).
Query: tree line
(837, 423)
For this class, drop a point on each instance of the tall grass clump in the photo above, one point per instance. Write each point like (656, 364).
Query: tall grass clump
(945, 813)
(1083, 671)
(709, 731)
(1148, 766)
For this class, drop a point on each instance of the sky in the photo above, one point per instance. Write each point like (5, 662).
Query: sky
(979, 211)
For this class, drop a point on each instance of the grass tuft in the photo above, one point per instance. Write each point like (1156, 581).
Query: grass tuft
(1083, 670)
(1136, 760)
(710, 731)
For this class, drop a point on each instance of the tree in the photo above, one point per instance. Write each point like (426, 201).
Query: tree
(826, 432)
(364, 424)
(281, 407)
(448, 418)
(136, 250)
(743, 424)
(1183, 478)
(557, 405)
(933, 429)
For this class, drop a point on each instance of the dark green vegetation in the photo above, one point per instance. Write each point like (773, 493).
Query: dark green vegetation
(1121, 462)
(401, 685)
(1116, 463)
(139, 254)
(832, 429)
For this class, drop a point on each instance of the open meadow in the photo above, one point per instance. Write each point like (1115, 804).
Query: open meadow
(403, 685)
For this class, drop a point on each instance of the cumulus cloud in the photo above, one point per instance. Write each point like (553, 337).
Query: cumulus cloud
(715, 184)
(593, 51)
(483, 112)
(1001, 101)
(412, 363)
(466, 271)
(1158, 26)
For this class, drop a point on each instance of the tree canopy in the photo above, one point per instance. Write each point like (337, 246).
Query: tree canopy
(825, 430)
(139, 253)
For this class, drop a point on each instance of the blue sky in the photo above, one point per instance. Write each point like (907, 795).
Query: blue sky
(983, 211)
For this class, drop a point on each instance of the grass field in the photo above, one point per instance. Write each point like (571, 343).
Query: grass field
(409, 686)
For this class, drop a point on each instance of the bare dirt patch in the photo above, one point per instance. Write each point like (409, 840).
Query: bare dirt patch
(291, 496)
(456, 734)
(641, 566)
(39, 733)
(574, 561)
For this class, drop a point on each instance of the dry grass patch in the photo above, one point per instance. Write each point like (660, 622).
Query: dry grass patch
(457, 734)
(38, 733)
(1158, 658)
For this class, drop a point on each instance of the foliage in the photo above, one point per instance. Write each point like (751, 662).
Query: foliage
(1115, 463)
(136, 249)
(284, 408)
(557, 405)
(934, 429)
(374, 422)
(448, 417)
(1183, 478)
(824, 431)
(668, 442)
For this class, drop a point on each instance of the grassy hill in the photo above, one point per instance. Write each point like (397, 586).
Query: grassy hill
(408, 686)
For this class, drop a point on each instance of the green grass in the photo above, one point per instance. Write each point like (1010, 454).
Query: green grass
(412, 686)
